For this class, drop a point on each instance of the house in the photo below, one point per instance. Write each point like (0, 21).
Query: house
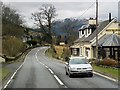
(109, 46)
(30, 34)
(63, 41)
(87, 36)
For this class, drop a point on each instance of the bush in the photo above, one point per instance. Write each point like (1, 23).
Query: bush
(12, 46)
(51, 52)
(109, 62)
(66, 53)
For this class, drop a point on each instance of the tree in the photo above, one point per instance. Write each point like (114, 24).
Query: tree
(44, 19)
(12, 32)
(11, 15)
(69, 29)
(11, 22)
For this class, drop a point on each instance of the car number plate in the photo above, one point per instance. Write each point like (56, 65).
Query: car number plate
(82, 70)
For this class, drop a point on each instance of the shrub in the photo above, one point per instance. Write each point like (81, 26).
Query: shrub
(109, 62)
(12, 46)
(51, 52)
(66, 53)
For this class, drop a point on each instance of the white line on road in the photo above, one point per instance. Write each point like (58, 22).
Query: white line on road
(106, 77)
(43, 64)
(51, 71)
(46, 67)
(59, 81)
(109, 78)
(15, 73)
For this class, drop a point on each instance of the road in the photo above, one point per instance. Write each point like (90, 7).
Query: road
(39, 71)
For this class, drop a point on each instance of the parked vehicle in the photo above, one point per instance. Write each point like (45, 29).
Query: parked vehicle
(78, 66)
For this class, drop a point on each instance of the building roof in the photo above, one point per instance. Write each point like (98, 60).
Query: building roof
(100, 28)
(109, 40)
(84, 27)
(79, 39)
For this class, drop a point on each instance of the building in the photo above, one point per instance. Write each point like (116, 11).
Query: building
(84, 45)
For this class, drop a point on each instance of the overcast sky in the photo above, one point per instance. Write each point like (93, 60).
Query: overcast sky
(65, 8)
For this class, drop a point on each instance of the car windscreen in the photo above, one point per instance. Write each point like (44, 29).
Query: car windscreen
(78, 61)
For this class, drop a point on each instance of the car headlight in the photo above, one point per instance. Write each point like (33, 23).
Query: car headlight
(89, 68)
(72, 69)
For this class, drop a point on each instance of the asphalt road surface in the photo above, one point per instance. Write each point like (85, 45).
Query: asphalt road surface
(39, 71)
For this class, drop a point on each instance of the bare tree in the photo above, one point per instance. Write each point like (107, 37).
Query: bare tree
(44, 19)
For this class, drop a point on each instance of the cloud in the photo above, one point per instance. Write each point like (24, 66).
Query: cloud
(59, 0)
(66, 9)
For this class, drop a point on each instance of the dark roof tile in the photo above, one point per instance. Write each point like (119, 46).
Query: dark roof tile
(100, 28)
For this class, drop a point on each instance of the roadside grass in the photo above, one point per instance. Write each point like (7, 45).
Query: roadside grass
(59, 50)
(50, 53)
(107, 71)
(3, 73)
(58, 54)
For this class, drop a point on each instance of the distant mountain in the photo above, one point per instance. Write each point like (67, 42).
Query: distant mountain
(57, 28)
(75, 24)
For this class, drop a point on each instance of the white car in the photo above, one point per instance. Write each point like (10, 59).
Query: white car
(77, 66)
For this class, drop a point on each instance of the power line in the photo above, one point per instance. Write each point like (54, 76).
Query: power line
(86, 10)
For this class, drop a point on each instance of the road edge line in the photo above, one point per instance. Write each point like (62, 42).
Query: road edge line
(59, 81)
(97, 73)
(107, 77)
(5, 86)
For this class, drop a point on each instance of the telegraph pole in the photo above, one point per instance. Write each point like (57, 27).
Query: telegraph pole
(97, 32)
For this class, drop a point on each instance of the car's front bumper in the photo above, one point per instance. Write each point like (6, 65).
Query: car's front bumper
(81, 72)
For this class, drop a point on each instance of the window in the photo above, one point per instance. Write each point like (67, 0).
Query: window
(79, 34)
(78, 61)
(88, 31)
(82, 32)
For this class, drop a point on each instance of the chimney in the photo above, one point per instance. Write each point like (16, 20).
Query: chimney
(110, 18)
(92, 21)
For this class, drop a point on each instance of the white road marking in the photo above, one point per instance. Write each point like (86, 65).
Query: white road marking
(43, 64)
(46, 67)
(13, 76)
(51, 71)
(15, 73)
(106, 77)
(59, 81)
(109, 78)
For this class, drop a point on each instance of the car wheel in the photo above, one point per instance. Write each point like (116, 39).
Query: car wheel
(66, 73)
(70, 75)
(91, 75)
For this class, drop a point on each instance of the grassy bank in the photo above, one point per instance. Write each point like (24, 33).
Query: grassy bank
(58, 52)
(6, 71)
(3, 73)
(107, 71)
(50, 53)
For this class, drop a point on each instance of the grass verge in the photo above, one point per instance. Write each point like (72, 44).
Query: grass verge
(3, 73)
(107, 71)
(50, 53)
